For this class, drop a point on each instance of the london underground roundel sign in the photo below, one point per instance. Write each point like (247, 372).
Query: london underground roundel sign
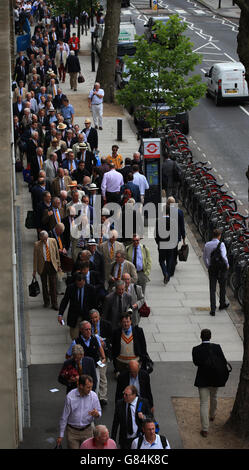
(152, 149)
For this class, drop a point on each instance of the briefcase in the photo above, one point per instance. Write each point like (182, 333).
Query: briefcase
(183, 253)
(30, 220)
(34, 288)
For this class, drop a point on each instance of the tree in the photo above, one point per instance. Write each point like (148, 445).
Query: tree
(73, 8)
(107, 60)
(243, 35)
(160, 72)
(239, 419)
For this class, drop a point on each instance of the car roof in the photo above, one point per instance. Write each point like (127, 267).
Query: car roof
(229, 65)
(160, 18)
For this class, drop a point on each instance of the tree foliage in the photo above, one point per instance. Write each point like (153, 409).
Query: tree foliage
(160, 71)
(72, 7)
(243, 35)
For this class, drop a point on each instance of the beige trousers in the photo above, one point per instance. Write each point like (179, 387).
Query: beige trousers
(75, 437)
(205, 394)
(73, 80)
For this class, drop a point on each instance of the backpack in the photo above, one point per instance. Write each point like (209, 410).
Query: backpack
(217, 262)
(163, 441)
(127, 194)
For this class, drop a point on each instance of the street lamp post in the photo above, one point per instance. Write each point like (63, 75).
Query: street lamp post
(92, 51)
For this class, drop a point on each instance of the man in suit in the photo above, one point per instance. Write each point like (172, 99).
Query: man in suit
(81, 298)
(46, 262)
(60, 62)
(20, 91)
(86, 156)
(166, 240)
(73, 68)
(18, 108)
(206, 379)
(54, 215)
(96, 258)
(140, 256)
(84, 365)
(128, 416)
(120, 267)
(60, 183)
(36, 163)
(58, 99)
(137, 297)
(109, 249)
(181, 233)
(51, 167)
(128, 343)
(116, 303)
(169, 176)
(138, 377)
(91, 134)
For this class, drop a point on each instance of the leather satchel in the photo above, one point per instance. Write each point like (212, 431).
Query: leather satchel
(183, 253)
(30, 221)
(34, 288)
(81, 78)
(144, 311)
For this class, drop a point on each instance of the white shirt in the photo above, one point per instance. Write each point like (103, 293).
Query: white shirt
(141, 182)
(112, 182)
(147, 445)
(133, 411)
(94, 98)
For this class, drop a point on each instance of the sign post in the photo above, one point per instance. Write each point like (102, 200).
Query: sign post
(152, 169)
(155, 5)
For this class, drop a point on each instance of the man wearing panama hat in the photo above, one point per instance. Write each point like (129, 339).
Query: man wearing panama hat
(87, 156)
(91, 134)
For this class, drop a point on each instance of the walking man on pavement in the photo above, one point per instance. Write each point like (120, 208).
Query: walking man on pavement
(81, 408)
(73, 68)
(215, 259)
(208, 379)
(95, 103)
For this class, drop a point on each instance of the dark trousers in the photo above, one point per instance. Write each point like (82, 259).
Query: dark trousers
(166, 261)
(221, 277)
(113, 197)
(48, 280)
(126, 443)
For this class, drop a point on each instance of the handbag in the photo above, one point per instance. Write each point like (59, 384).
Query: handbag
(147, 364)
(30, 221)
(18, 165)
(183, 253)
(81, 78)
(144, 311)
(34, 288)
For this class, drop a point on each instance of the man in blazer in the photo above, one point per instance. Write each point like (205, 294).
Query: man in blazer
(91, 134)
(138, 377)
(120, 267)
(104, 329)
(115, 304)
(46, 262)
(60, 183)
(81, 297)
(109, 248)
(54, 215)
(96, 258)
(140, 256)
(128, 343)
(51, 167)
(84, 365)
(20, 91)
(137, 297)
(86, 156)
(60, 62)
(206, 378)
(128, 416)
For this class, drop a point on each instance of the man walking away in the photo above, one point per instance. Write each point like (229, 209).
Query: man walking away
(212, 373)
(215, 259)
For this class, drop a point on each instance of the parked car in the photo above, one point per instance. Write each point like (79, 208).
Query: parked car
(126, 38)
(226, 81)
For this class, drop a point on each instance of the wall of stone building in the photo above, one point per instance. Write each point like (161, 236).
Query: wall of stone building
(9, 434)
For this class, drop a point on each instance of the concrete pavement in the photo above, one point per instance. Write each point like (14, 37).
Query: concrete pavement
(178, 313)
(227, 8)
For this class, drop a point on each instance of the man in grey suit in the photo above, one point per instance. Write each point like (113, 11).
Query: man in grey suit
(51, 167)
(137, 297)
(169, 176)
(116, 303)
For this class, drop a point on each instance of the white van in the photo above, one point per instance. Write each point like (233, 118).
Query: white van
(226, 81)
(127, 33)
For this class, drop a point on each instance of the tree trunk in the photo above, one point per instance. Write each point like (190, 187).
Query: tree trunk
(239, 418)
(107, 60)
(243, 35)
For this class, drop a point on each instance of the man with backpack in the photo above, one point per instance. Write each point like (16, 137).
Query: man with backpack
(215, 259)
(212, 373)
(149, 439)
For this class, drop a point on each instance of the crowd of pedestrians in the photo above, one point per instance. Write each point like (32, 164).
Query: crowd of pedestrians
(103, 274)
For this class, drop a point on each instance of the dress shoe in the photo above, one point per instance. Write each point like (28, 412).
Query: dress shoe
(223, 307)
(96, 127)
(166, 279)
(204, 433)
(101, 128)
(212, 313)
(211, 419)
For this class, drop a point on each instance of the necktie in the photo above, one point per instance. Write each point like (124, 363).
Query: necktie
(135, 257)
(61, 57)
(54, 91)
(112, 251)
(95, 329)
(80, 296)
(71, 166)
(48, 257)
(119, 271)
(41, 163)
(60, 243)
(129, 420)
(54, 36)
(57, 216)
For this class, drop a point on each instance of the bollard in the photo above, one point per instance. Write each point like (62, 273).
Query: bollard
(119, 129)
(93, 61)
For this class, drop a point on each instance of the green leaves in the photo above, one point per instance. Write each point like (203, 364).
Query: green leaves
(162, 72)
